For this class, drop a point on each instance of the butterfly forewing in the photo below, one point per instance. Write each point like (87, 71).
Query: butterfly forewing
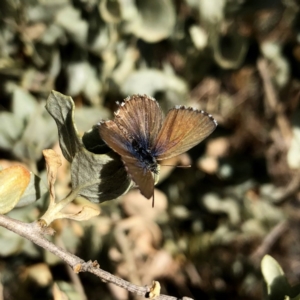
(142, 118)
(142, 177)
(182, 129)
(115, 137)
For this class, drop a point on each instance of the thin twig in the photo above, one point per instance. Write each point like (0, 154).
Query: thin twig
(269, 241)
(34, 232)
(127, 254)
(273, 101)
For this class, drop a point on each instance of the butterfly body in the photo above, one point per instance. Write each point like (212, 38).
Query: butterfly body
(142, 137)
(145, 156)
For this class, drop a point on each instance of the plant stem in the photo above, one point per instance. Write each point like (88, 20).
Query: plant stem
(50, 215)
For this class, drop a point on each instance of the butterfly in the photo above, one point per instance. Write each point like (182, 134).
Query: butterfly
(142, 136)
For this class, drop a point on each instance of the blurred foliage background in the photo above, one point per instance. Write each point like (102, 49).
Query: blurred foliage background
(212, 223)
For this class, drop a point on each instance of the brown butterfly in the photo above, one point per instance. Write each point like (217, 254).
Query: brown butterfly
(142, 136)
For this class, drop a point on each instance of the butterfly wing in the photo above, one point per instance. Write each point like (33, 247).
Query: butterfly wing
(116, 137)
(142, 177)
(182, 129)
(142, 118)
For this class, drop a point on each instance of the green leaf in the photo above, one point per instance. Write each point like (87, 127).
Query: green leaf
(39, 134)
(152, 20)
(101, 177)
(34, 191)
(66, 290)
(10, 130)
(28, 130)
(61, 108)
(10, 243)
(96, 171)
(86, 117)
(70, 20)
(138, 83)
(23, 103)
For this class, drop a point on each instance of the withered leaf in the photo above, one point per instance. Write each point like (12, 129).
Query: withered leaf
(53, 162)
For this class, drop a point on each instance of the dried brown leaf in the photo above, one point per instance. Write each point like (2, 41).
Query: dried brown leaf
(53, 162)
(86, 213)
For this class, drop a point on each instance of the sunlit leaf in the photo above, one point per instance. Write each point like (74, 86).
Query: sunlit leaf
(138, 83)
(153, 20)
(13, 182)
(275, 279)
(70, 20)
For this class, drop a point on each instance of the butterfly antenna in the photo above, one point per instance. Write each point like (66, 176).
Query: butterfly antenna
(188, 166)
(153, 200)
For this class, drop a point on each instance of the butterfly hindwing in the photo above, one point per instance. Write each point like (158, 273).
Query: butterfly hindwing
(182, 129)
(142, 177)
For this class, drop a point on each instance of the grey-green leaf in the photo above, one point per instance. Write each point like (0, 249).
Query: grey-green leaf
(61, 108)
(23, 104)
(11, 128)
(34, 191)
(38, 134)
(101, 177)
(98, 176)
(152, 20)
